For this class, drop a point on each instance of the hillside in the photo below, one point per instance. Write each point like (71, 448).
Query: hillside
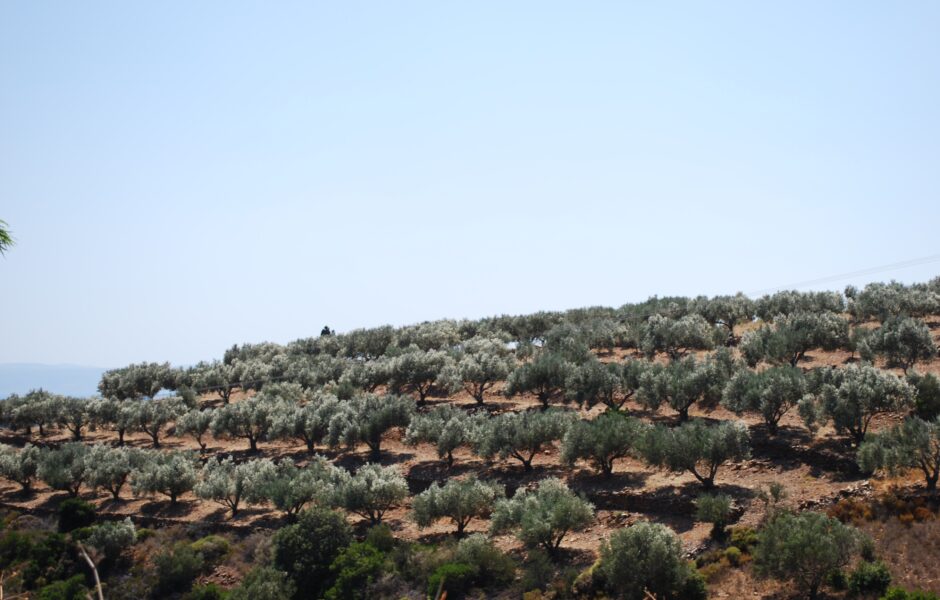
(647, 364)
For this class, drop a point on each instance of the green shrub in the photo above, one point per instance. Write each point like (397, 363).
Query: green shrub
(870, 578)
(492, 566)
(212, 548)
(306, 549)
(356, 567)
(210, 591)
(72, 588)
(538, 570)
(177, 568)
(265, 583)
(645, 557)
(75, 513)
(457, 578)
(733, 554)
(714, 509)
(896, 593)
(381, 538)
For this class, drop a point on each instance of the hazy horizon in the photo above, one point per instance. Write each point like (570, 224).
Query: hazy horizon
(277, 169)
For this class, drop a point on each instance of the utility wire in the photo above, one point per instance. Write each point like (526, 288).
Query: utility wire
(638, 316)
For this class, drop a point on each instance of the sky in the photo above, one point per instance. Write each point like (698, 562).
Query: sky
(181, 176)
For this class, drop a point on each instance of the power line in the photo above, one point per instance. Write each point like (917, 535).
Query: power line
(869, 271)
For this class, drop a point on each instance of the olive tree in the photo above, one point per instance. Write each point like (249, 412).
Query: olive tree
(151, 416)
(371, 492)
(72, 413)
(714, 509)
(217, 377)
(366, 418)
(20, 466)
(230, 483)
(788, 302)
(167, 473)
(793, 335)
(478, 366)
(136, 381)
(593, 382)
(417, 370)
(521, 435)
(249, 419)
(293, 488)
(772, 393)
(914, 444)
(545, 376)
(676, 337)
(38, 408)
(805, 548)
(852, 396)
(119, 415)
(195, 423)
(602, 440)
(459, 500)
(110, 468)
(882, 301)
(728, 311)
(646, 559)
(902, 341)
(687, 381)
(697, 447)
(447, 427)
(544, 516)
(64, 468)
(309, 422)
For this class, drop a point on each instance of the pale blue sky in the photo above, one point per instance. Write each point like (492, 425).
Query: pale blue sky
(181, 176)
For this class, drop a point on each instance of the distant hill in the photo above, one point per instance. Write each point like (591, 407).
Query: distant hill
(72, 380)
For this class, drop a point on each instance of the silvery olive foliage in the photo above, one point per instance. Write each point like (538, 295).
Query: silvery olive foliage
(805, 548)
(790, 301)
(914, 444)
(447, 427)
(217, 378)
(419, 371)
(72, 413)
(64, 468)
(309, 422)
(544, 376)
(852, 396)
(607, 438)
(793, 335)
(20, 465)
(902, 341)
(595, 382)
(110, 538)
(772, 393)
(366, 418)
(169, 473)
(294, 488)
(882, 301)
(643, 559)
(544, 516)
(151, 416)
(110, 467)
(677, 337)
(231, 484)
(478, 365)
(522, 435)
(249, 419)
(727, 311)
(195, 423)
(687, 381)
(371, 491)
(136, 381)
(697, 447)
(459, 500)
